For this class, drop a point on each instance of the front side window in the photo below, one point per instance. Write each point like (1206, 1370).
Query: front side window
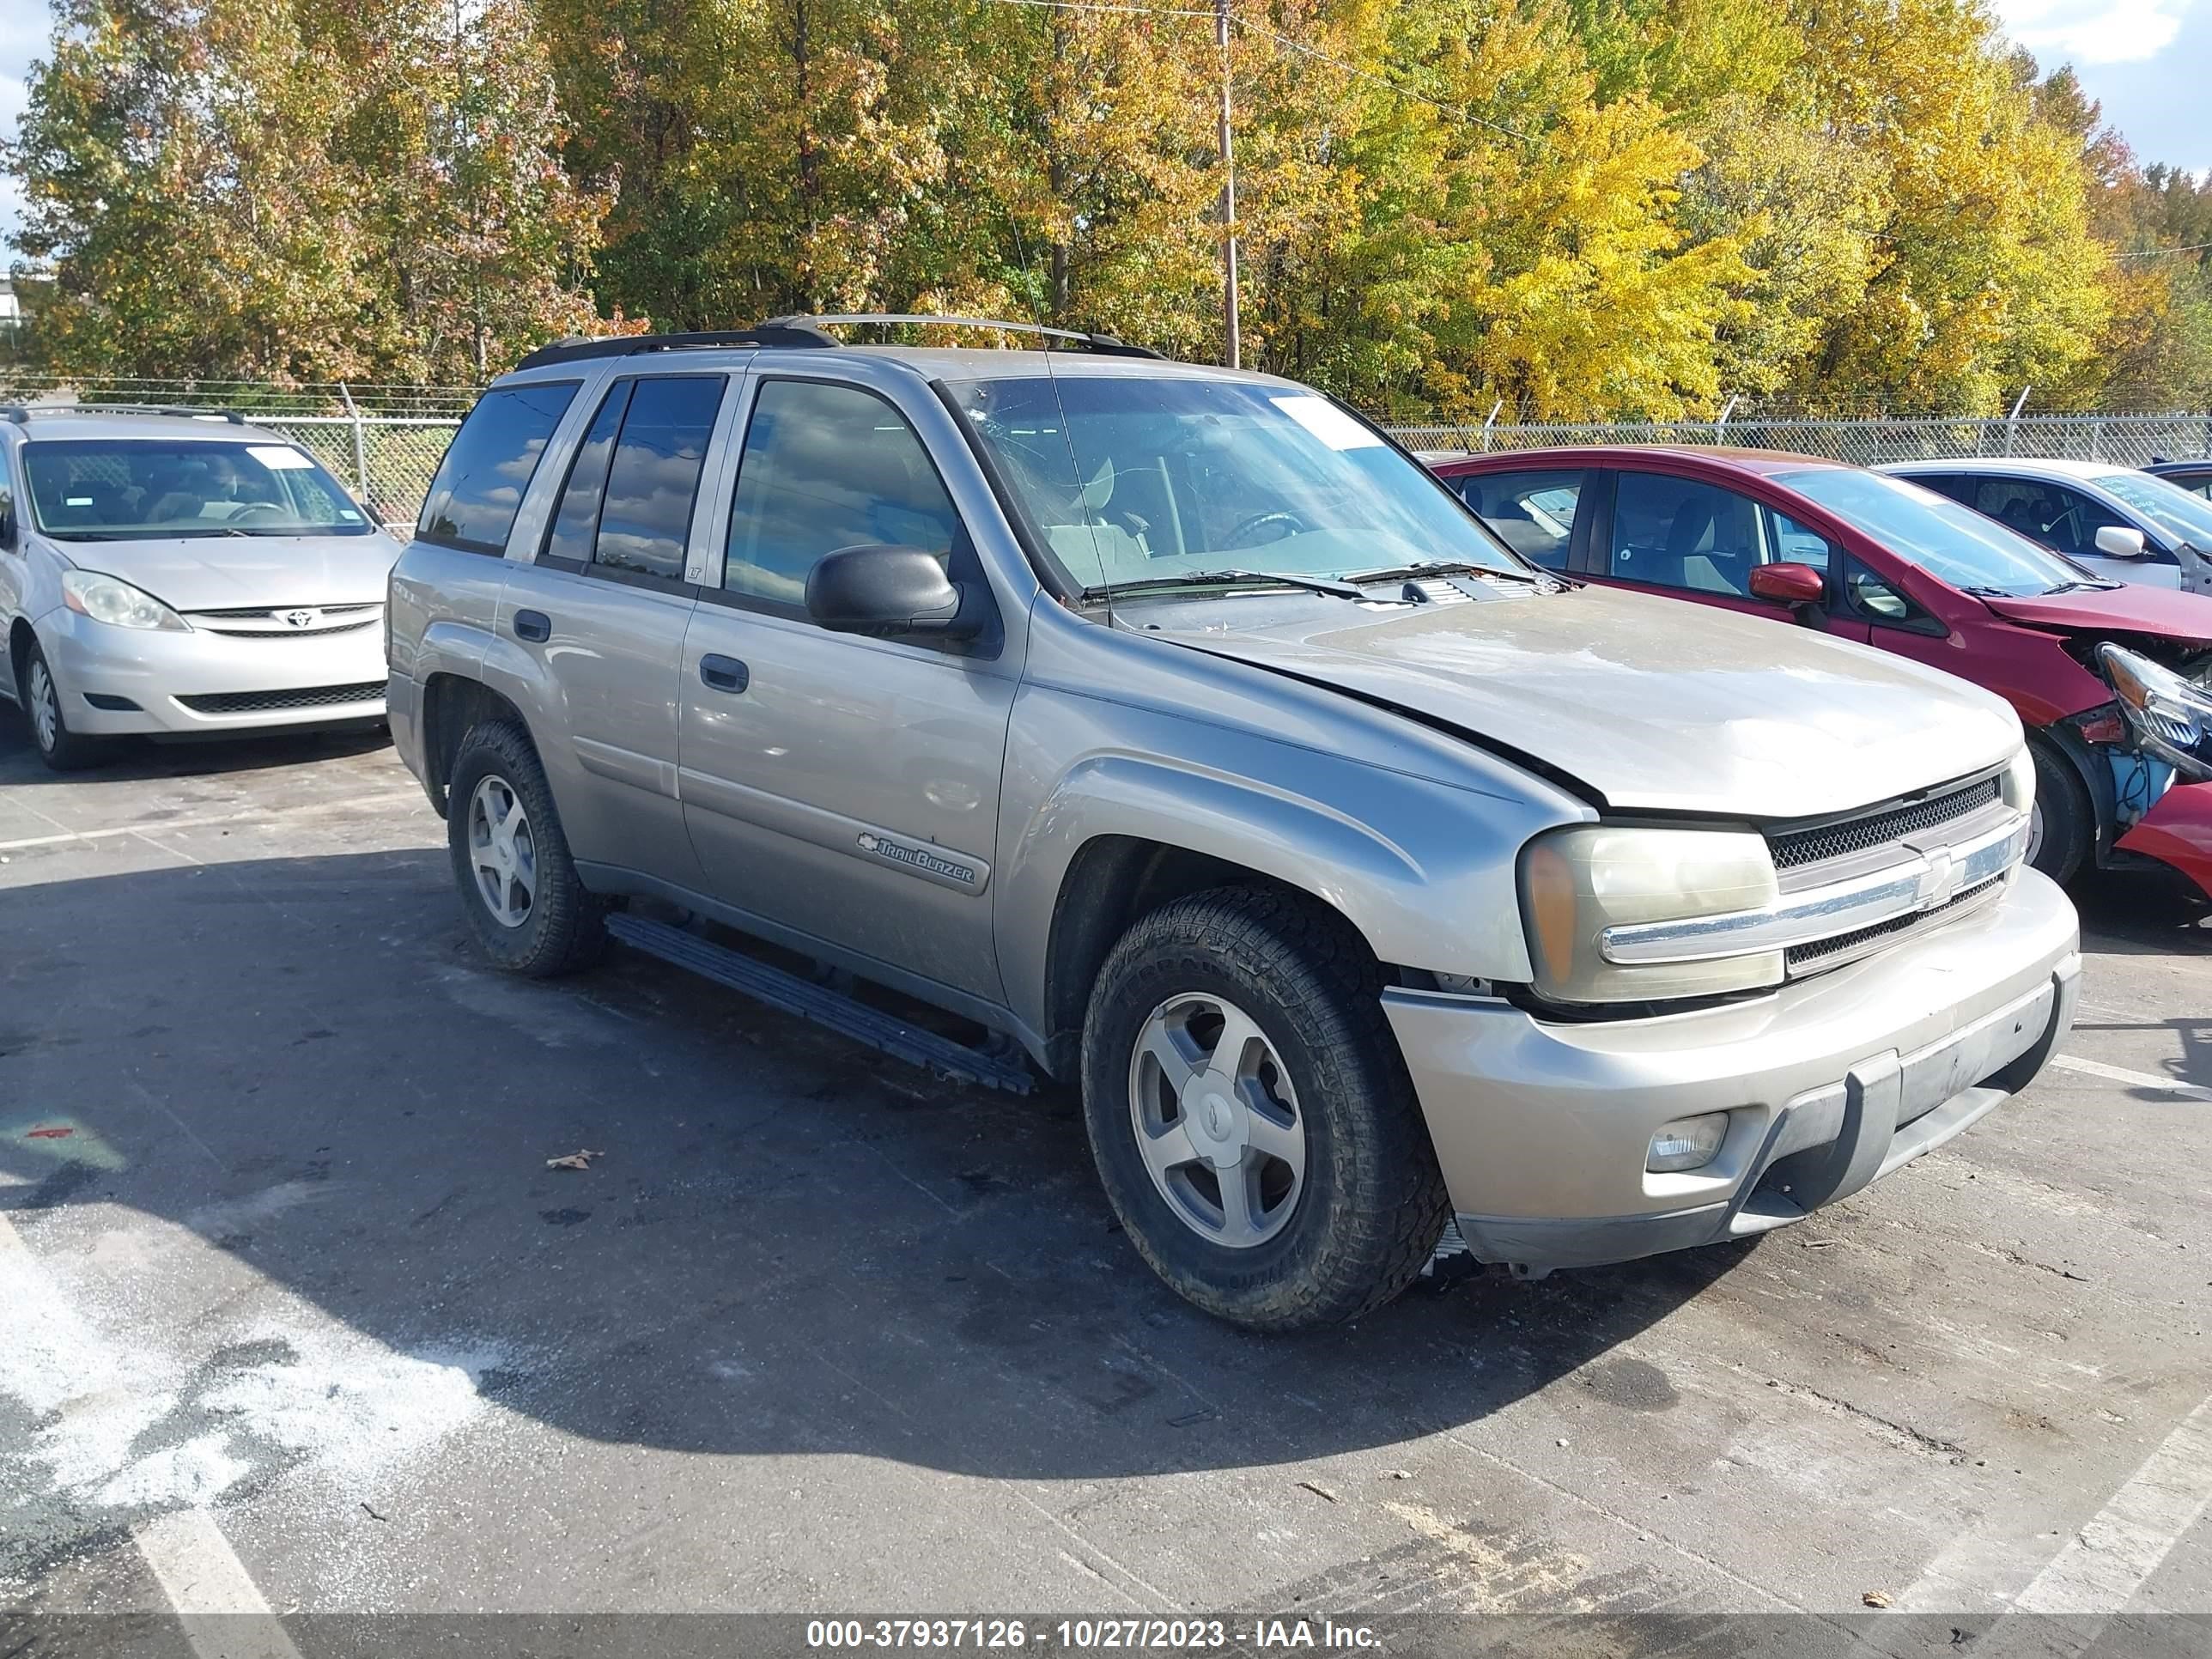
(1682, 533)
(1144, 477)
(478, 490)
(1532, 512)
(827, 467)
(2183, 516)
(107, 489)
(652, 477)
(1953, 544)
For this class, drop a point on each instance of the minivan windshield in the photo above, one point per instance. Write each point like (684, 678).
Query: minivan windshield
(2185, 517)
(113, 489)
(1127, 480)
(1949, 541)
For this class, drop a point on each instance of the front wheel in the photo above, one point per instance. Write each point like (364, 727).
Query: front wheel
(61, 749)
(526, 904)
(1253, 1123)
(2062, 825)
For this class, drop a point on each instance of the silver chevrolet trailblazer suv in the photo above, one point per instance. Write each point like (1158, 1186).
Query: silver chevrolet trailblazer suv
(1175, 733)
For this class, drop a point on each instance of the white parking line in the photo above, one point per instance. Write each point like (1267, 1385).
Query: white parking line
(221, 1613)
(2111, 1558)
(262, 815)
(2133, 1079)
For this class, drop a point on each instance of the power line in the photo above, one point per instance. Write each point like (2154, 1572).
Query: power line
(2161, 252)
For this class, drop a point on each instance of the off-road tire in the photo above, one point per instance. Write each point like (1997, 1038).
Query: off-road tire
(567, 927)
(68, 752)
(2070, 822)
(1374, 1203)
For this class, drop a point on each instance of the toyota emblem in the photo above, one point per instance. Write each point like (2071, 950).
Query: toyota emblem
(299, 618)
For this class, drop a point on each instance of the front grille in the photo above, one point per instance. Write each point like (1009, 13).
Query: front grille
(261, 621)
(1820, 843)
(270, 702)
(1830, 952)
(260, 611)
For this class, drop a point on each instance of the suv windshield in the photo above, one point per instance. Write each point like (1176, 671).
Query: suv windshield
(111, 490)
(1975, 555)
(1130, 480)
(2185, 517)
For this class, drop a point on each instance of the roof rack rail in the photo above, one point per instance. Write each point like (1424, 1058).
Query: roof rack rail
(1105, 345)
(20, 413)
(778, 332)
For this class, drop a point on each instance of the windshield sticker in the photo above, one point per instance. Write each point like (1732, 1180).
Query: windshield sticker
(1327, 422)
(278, 460)
(77, 501)
(347, 515)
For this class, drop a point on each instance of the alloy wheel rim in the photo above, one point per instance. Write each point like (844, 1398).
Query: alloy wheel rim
(1216, 1121)
(2034, 832)
(503, 852)
(46, 713)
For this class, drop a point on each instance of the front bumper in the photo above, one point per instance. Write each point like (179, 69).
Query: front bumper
(2177, 831)
(240, 683)
(1542, 1128)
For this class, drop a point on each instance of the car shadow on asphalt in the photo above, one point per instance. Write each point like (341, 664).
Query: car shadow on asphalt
(787, 1244)
(136, 759)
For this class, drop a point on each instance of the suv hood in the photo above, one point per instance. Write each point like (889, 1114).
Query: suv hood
(228, 573)
(2135, 609)
(1652, 703)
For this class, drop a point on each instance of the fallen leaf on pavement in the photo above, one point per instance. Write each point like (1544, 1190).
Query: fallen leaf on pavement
(576, 1160)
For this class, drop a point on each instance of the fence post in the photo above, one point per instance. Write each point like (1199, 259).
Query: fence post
(2012, 421)
(1721, 425)
(1489, 423)
(359, 445)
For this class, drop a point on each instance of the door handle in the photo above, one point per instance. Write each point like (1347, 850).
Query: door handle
(533, 625)
(724, 673)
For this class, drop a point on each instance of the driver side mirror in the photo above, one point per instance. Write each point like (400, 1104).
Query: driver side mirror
(889, 593)
(2120, 541)
(1788, 584)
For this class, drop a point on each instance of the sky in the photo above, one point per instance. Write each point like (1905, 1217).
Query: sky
(2144, 60)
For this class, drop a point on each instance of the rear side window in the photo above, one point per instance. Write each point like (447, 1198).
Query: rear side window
(474, 498)
(653, 478)
(1532, 513)
(576, 519)
(1683, 533)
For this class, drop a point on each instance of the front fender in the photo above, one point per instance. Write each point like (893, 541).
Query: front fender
(1425, 870)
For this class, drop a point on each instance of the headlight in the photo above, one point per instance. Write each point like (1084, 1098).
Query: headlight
(106, 599)
(1579, 881)
(2172, 718)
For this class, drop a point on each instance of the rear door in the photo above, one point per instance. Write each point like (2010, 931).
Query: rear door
(843, 792)
(604, 608)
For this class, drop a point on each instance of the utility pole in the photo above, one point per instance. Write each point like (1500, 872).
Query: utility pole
(1228, 194)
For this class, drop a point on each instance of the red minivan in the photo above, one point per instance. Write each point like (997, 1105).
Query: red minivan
(2113, 682)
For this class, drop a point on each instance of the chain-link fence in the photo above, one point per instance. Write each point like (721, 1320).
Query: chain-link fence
(385, 442)
(2122, 440)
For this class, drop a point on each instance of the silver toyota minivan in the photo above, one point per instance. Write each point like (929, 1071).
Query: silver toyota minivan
(180, 574)
(1181, 731)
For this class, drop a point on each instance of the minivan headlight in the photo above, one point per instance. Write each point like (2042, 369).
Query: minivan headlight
(1579, 881)
(109, 599)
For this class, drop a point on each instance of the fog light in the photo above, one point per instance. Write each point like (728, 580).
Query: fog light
(1688, 1143)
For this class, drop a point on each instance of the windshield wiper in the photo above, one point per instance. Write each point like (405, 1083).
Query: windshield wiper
(1342, 590)
(2075, 586)
(1447, 568)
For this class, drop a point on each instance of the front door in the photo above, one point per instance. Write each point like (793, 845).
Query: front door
(841, 790)
(604, 608)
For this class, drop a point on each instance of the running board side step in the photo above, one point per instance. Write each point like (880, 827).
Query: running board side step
(824, 1006)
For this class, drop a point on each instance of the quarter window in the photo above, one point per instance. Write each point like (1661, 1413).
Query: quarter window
(654, 477)
(478, 490)
(1678, 533)
(827, 467)
(1789, 542)
(1532, 513)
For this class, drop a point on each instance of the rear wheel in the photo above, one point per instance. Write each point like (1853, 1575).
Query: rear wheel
(2062, 827)
(63, 750)
(525, 905)
(1253, 1123)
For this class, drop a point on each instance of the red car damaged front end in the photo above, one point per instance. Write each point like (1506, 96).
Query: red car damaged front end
(2168, 713)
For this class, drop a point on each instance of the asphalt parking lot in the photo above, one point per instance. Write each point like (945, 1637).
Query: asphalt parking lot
(291, 1307)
